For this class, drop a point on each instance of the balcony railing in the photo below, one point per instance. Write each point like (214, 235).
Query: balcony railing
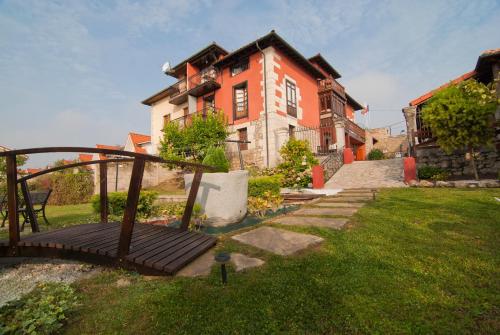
(186, 119)
(197, 85)
(331, 84)
(210, 74)
(355, 131)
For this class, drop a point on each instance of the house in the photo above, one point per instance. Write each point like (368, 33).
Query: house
(267, 91)
(392, 146)
(138, 143)
(422, 142)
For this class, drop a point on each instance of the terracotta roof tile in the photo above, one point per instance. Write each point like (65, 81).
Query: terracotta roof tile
(139, 139)
(104, 146)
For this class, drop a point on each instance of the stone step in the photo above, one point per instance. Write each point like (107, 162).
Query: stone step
(317, 211)
(308, 221)
(346, 199)
(338, 204)
(365, 195)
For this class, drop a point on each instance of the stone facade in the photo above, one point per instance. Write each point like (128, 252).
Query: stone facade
(487, 160)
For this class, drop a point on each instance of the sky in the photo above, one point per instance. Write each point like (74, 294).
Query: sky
(73, 73)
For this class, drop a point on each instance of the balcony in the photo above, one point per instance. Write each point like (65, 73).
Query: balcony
(331, 85)
(197, 85)
(355, 131)
(186, 119)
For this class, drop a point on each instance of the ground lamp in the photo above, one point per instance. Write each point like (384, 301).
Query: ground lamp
(222, 258)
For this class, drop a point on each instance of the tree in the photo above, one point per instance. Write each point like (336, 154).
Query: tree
(461, 116)
(20, 160)
(194, 139)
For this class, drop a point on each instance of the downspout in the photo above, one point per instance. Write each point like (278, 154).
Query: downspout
(265, 101)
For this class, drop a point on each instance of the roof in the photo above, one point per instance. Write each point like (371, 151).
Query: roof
(157, 96)
(84, 157)
(138, 139)
(323, 63)
(211, 48)
(420, 100)
(104, 146)
(484, 64)
(271, 39)
(356, 105)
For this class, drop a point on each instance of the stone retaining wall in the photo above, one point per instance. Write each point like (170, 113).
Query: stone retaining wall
(488, 160)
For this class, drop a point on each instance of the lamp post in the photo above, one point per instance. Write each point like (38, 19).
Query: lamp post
(222, 258)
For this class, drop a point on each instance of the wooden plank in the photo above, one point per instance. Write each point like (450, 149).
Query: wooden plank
(29, 207)
(188, 211)
(14, 235)
(176, 252)
(103, 191)
(109, 239)
(44, 236)
(143, 253)
(180, 262)
(150, 261)
(131, 207)
(91, 237)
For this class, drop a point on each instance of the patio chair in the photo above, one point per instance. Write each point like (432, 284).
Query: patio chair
(3, 208)
(39, 202)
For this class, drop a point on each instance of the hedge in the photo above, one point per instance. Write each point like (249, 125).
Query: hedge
(427, 171)
(375, 155)
(69, 188)
(117, 202)
(258, 185)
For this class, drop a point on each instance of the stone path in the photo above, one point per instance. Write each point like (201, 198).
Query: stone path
(369, 174)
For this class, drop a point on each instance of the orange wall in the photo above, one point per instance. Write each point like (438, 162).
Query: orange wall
(306, 85)
(190, 70)
(349, 112)
(224, 95)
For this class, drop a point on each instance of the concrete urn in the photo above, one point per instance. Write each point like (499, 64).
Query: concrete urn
(222, 196)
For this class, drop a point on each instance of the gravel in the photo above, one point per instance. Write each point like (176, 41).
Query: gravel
(19, 276)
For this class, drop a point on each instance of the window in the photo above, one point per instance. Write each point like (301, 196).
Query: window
(209, 103)
(243, 136)
(291, 99)
(239, 67)
(166, 120)
(240, 101)
(291, 131)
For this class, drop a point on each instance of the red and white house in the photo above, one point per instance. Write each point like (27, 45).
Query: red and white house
(268, 91)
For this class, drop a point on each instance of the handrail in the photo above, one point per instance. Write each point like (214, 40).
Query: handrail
(67, 166)
(147, 157)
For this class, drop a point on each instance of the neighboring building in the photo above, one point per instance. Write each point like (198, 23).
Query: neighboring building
(391, 145)
(423, 143)
(265, 89)
(138, 143)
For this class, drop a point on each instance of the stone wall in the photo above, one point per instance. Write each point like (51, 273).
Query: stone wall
(154, 174)
(488, 160)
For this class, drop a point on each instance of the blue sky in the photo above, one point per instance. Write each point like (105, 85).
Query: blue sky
(74, 72)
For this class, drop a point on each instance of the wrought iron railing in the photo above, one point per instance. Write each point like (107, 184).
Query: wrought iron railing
(332, 163)
(179, 87)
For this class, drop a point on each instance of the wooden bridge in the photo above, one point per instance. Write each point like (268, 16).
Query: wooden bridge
(145, 248)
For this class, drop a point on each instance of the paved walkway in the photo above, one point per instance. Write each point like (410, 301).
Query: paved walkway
(369, 174)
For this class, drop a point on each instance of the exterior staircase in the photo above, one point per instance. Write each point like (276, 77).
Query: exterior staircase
(369, 174)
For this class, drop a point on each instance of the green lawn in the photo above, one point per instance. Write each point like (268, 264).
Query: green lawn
(414, 261)
(59, 216)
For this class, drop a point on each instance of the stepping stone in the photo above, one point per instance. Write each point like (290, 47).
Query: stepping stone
(325, 211)
(308, 221)
(199, 267)
(358, 190)
(346, 199)
(361, 195)
(242, 262)
(278, 241)
(338, 204)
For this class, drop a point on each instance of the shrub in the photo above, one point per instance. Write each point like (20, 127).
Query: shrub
(257, 186)
(42, 311)
(375, 154)
(69, 188)
(217, 158)
(298, 160)
(117, 202)
(427, 171)
(261, 204)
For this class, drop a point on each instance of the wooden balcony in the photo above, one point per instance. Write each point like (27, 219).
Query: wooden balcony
(201, 83)
(326, 85)
(355, 131)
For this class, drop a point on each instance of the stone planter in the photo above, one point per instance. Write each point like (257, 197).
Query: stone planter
(222, 196)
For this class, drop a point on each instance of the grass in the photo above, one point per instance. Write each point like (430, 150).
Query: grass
(58, 216)
(415, 261)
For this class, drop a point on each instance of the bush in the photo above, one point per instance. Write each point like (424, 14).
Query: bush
(217, 158)
(257, 186)
(261, 204)
(43, 311)
(69, 188)
(117, 202)
(298, 160)
(375, 155)
(427, 172)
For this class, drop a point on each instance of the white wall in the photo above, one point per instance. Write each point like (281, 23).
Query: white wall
(158, 110)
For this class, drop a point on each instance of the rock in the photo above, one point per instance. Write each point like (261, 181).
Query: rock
(413, 183)
(442, 183)
(489, 183)
(426, 183)
(242, 262)
(199, 267)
